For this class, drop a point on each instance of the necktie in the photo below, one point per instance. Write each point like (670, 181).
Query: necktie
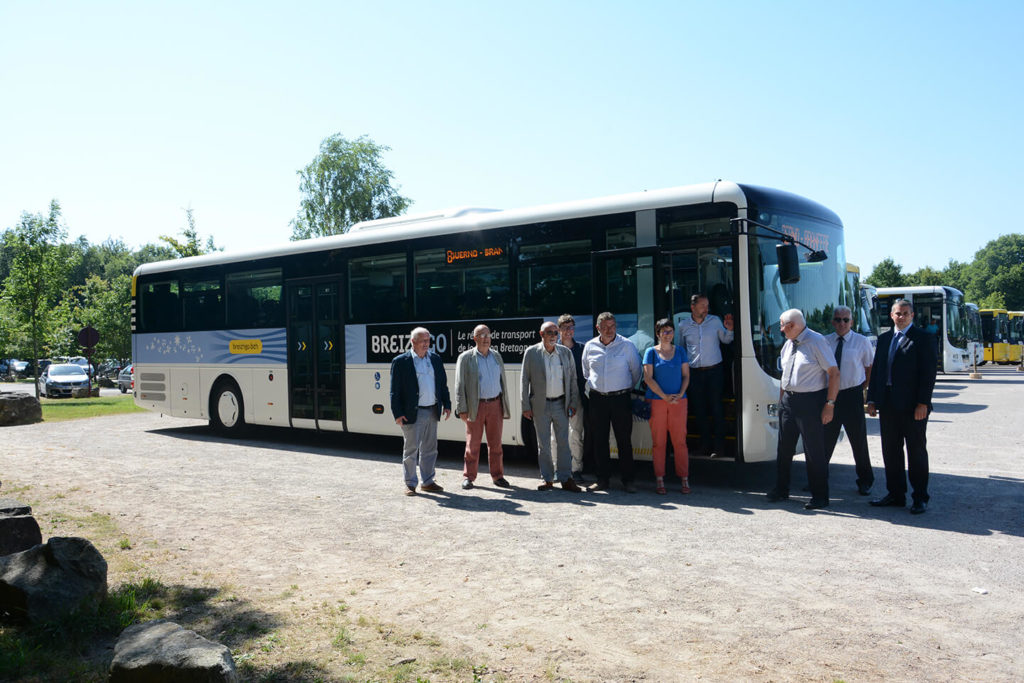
(839, 354)
(787, 368)
(892, 355)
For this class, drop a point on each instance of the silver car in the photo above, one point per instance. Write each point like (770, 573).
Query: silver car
(124, 379)
(64, 379)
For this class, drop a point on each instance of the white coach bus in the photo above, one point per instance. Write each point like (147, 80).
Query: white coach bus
(941, 311)
(302, 335)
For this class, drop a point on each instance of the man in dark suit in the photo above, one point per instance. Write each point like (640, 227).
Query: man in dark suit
(900, 391)
(419, 394)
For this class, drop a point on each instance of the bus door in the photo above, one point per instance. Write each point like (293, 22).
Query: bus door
(624, 284)
(316, 371)
(709, 270)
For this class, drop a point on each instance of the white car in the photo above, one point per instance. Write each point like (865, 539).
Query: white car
(64, 379)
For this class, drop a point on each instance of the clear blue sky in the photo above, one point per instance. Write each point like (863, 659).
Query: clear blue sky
(903, 117)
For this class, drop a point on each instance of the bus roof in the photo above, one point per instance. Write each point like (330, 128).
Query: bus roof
(917, 289)
(474, 219)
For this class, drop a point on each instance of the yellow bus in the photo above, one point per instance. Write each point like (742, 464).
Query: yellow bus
(995, 331)
(1016, 324)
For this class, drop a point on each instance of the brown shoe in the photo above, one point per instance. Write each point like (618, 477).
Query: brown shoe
(546, 486)
(570, 485)
(431, 488)
(410, 490)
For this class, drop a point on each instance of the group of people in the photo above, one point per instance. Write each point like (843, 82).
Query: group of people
(575, 396)
(822, 389)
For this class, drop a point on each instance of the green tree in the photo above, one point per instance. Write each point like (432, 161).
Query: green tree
(191, 246)
(926, 276)
(345, 183)
(107, 306)
(998, 268)
(887, 273)
(38, 270)
(955, 275)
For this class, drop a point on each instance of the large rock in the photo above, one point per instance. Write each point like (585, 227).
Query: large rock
(51, 580)
(19, 530)
(17, 408)
(164, 652)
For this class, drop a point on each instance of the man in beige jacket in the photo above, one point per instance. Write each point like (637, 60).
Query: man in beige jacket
(481, 401)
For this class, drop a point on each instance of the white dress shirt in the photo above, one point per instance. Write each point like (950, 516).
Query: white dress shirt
(857, 358)
(614, 367)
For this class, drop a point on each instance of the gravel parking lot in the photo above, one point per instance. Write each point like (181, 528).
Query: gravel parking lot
(718, 585)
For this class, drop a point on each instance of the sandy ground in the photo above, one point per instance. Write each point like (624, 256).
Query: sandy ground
(718, 585)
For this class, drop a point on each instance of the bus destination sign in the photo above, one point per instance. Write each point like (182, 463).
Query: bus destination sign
(472, 255)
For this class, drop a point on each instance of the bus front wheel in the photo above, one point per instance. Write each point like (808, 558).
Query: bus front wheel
(227, 414)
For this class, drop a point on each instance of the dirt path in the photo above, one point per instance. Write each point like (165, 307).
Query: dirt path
(719, 585)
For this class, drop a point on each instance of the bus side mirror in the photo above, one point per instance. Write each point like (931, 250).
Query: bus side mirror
(789, 263)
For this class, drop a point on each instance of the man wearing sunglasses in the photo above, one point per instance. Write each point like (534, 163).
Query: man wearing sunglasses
(854, 356)
(550, 397)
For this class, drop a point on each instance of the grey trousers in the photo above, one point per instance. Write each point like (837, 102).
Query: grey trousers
(553, 428)
(420, 446)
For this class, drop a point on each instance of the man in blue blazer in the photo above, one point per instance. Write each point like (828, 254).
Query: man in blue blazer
(900, 391)
(419, 394)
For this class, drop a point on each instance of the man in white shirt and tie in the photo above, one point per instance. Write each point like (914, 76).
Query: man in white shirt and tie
(854, 356)
(807, 399)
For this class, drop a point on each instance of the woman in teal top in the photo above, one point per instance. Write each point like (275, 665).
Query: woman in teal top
(667, 373)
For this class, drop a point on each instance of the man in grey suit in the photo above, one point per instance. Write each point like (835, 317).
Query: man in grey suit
(550, 397)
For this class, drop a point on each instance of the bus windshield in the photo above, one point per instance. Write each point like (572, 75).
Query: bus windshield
(957, 324)
(816, 294)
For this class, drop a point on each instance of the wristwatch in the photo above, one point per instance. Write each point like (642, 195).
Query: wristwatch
(830, 401)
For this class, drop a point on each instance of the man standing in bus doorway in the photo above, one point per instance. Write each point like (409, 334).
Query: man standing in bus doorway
(854, 355)
(580, 444)
(481, 401)
(807, 399)
(900, 392)
(611, 365)
(419, 394)
(703, 335)
(550, 398)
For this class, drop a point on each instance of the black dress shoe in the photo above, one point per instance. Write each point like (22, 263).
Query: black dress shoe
(774, 496)
(863, 490)
(889, 501)
(815, 504)
(918, 507)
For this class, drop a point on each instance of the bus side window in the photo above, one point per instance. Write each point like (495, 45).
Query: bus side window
(377, 289)
(254, 299)
(161, 307)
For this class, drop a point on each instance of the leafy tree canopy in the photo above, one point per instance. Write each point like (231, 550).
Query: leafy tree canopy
(190, 245)
(344, 184)
(887, 273)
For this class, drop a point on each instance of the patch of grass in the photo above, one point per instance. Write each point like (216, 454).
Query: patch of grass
(124, 544)
(56, 410)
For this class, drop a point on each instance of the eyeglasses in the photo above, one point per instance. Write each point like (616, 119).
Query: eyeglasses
(667, 330)
(550, 333)
(840, 320)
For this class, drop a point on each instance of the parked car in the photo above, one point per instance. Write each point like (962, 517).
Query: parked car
(18, 367)
(125, 379)
(63, 379)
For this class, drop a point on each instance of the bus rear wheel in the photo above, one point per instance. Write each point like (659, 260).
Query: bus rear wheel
(227, 414)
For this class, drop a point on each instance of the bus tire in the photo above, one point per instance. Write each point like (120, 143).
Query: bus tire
(227, 412)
